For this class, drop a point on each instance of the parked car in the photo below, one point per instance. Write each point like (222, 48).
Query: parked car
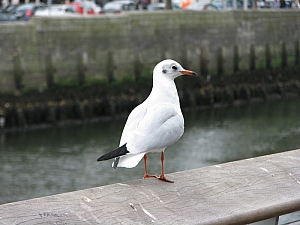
(136, 2)
(26, 11)
(201, 7)
(5, 14)
(56, 10)
(7, 17)
(90, 7)
(119, 5)
(162, 6)
(8, 8)
(229, 4)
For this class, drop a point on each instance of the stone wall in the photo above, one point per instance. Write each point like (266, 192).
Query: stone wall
(47, 51)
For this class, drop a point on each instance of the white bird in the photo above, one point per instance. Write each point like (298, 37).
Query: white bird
(154, 124)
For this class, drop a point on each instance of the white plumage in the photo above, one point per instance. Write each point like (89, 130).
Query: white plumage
(154, 124)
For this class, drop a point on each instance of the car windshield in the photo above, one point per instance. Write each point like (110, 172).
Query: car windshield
(113, 5)
(157, 6)
(10, 7)
(54, 8)
(57, 7)
(72, 9)
(25, 7)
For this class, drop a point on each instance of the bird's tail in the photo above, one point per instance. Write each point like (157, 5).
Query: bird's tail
(116, 153)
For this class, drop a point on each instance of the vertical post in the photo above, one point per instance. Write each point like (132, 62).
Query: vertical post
(224, 4)
(234, 5)
(220, 62)
(268, 57)
(297, 52)
(138, 67)
(49, 3)
(283, 56)
(49, 71)
(204, 62)
(168, 4)
(80, 70)
(110, 67)
(252, 58)
(18, 71)
(236, 59)
(245, 4)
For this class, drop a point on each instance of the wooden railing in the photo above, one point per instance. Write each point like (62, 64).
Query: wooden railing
(240, 192)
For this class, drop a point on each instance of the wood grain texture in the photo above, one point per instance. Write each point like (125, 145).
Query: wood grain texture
(232, 193)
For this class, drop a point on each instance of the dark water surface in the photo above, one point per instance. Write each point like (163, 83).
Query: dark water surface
(36, 163)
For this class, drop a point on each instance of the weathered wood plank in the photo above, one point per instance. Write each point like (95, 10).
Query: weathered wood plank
(239, 192)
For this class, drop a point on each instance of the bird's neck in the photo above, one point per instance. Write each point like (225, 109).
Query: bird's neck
(165, 90)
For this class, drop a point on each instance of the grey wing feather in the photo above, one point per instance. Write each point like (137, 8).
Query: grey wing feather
(160, 127)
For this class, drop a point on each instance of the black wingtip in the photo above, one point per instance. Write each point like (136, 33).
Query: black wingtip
(122, 150)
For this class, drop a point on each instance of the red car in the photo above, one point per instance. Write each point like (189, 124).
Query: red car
(91, 9)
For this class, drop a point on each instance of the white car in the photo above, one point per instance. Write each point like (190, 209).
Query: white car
(56, 10)
(119, 6)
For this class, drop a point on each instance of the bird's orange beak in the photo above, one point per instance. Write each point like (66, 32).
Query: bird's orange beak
(188, 73)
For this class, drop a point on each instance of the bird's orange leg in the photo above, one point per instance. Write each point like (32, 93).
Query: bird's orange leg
(146, 175)
(162, 176)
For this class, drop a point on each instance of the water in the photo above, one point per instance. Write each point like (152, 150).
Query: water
(36, 163)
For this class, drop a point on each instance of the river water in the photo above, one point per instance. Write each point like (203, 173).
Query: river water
(35, 163)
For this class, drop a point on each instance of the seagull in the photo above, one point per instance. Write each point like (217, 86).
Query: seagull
(154, 124)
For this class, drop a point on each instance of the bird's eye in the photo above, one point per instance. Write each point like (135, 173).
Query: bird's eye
(174, 67)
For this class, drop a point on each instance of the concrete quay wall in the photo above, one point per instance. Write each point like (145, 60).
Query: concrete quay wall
(80, 50)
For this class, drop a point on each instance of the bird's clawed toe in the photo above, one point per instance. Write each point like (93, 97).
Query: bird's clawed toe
(160, 177)
(149, 176)
(163, 178)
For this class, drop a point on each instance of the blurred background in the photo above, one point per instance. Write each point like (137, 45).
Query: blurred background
(72, 71)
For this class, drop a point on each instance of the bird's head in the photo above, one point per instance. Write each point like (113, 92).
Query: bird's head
(171, 69)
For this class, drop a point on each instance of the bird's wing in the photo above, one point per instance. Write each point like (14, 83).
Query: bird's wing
(133, 120)
(161, 125)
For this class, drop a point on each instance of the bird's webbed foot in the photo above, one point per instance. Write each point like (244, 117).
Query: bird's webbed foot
(163, 178)
(149, 176)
